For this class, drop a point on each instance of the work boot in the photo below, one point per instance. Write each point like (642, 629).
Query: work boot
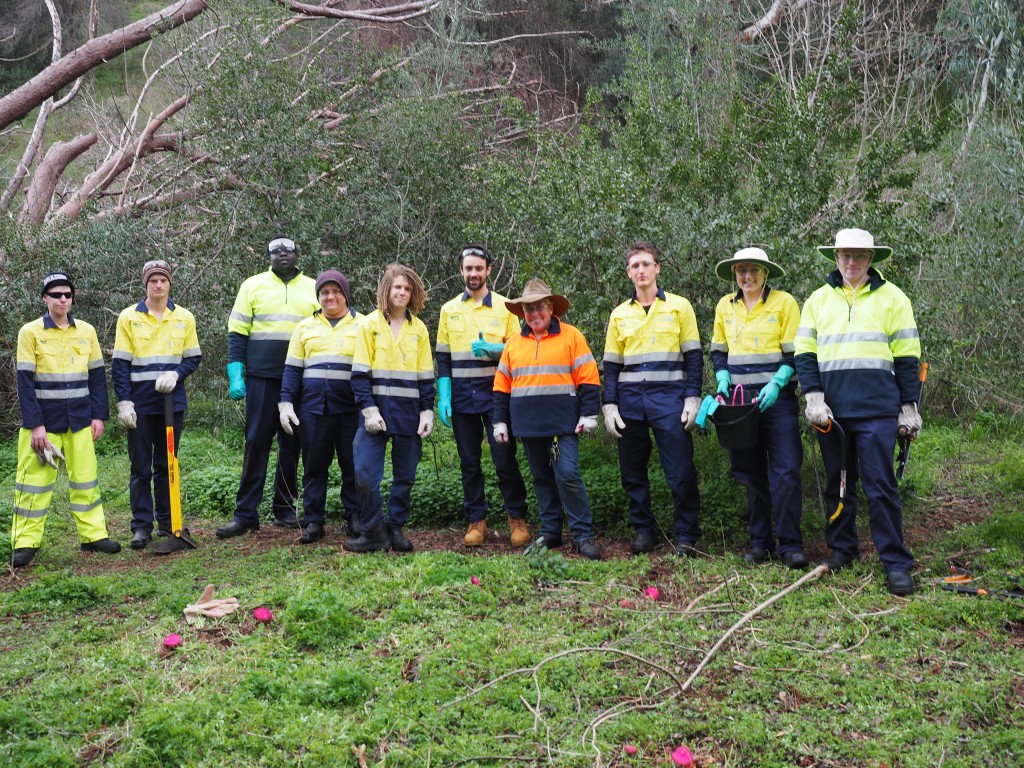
(236, 528)
(519, 534)
(288, 520)
(398, 541)
(837, 561)
(106, 546)
(757, 556)
(900, 583)
(140, 539)
(686, 548)
(311, 532)
(587, 549)
(22, 556)
(795, 559)
(644, 542)
(371, 540)
(476, 534)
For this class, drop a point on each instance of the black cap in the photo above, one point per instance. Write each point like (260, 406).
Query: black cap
(57, 278)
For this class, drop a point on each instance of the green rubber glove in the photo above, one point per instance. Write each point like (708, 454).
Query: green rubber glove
(444, 400)
(236, 381)
(724, 381)
(483, 348)
(770, 392)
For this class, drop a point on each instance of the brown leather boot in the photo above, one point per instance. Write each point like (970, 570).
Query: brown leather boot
(476, 534)
(519, 534)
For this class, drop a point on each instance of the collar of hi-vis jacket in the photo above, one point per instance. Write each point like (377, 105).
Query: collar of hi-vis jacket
(486, 302)
(633, 299)
(48, 321)
(553, 329)
(141, 307)
(875, 279)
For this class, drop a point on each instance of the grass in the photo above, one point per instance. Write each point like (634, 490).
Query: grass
(404, 661)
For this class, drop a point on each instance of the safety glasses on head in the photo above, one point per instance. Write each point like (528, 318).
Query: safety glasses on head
(281, 245)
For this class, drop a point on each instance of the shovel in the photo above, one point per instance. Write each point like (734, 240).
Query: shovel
(180, 539)
(832, 424)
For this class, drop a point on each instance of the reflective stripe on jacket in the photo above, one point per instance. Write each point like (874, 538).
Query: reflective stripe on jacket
(461, 323)
(862, 349)
(652, 359)
(145, 347)
(318, 369)
(396, 375)
(752, 345)
(262, 320)
(544, 385)
(61, 380)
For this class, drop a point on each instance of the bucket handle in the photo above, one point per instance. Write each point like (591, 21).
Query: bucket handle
(738, 390)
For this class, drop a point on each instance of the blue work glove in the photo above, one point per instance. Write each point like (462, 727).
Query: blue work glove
(444, 400)
(770, 392)
(724, 381)
(483, 348)
(236, 381)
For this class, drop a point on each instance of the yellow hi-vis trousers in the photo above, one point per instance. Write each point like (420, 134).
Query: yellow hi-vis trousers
(33, 487)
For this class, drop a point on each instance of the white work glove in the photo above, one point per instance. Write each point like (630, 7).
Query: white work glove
(909, 420)
(208, 606)
(373, 421)
(286, 415)
(586, 424)
(166, 382)
(691, 407)
(500, 432)
(426, 423)
(126, 414)
(50, 454)
(612, 420)
(817, 411)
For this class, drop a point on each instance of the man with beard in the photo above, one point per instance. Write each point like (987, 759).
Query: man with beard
(471, 335)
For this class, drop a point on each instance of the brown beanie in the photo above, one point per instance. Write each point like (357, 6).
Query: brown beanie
(156, 267)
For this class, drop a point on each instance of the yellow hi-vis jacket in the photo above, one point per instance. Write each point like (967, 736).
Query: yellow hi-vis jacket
(752, 345)
(262, 320)
(861, 348)
(144, 348)
(61, 380)
(318, 369)
(462, 322)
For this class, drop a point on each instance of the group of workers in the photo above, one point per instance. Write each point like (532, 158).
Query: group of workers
(328, 382)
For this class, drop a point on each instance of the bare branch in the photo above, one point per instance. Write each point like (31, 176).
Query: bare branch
(389, 14)
(57, 158)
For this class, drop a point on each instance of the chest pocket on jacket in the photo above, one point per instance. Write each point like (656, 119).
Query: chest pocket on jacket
(409, 346)
(177, 339)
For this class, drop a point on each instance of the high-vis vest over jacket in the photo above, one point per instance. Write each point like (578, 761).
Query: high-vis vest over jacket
(396, 375)
(861, 348)
(144, 348)
(462, 322)
(265, 314)
(752, 345)
(318, 369)
(652, 358)
(61, 381)
(544, 385)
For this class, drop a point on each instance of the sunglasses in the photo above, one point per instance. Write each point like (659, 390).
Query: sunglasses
(60, 294)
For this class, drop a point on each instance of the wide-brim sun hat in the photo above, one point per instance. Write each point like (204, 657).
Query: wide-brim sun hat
(749, 256)
(537, 290)
(859, 239)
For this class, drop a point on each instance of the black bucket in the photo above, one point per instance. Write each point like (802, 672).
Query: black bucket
(737, 425)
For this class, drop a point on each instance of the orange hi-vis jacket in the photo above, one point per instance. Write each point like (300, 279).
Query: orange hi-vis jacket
(544, 385)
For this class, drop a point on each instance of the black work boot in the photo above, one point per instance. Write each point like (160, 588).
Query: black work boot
(22, 556)
(398, 541)
(311, 532)
(644, 542)
(371, 540)
(106, 546)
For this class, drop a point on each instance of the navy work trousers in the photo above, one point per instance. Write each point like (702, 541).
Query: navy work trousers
(262, 423)
(559, 485)
(869, 448)
(675, 448)
(369, 459)
(323, 437)
(470, 430)
(770, 471)
(147, 451)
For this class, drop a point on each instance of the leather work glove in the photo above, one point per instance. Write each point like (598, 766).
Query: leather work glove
(817, 411)
(444, 400)
(909, 420)
(691, 407)
(724, 381)
(166, 382)
(500, 432)
(586, 424)
(50, 454)
(126, 414)
(373, 421)
(770, 392)
(286, 415)
(612, 420)
(426, 424)
(488, 349)
(236, 381)
(208, 606)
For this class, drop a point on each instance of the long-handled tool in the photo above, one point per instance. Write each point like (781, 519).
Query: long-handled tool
(832, 424)
(181, 539)
(902, 436)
